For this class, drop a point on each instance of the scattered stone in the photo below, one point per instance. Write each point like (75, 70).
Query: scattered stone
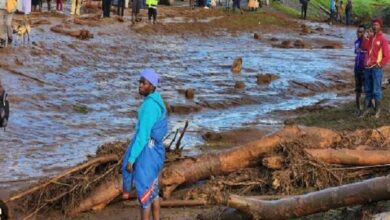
(185, 109)
(306, 30)
(19, 61)
(237, 65)
(287, 44)
(190, 93)
(301, 44)
(274, 39)
(239, 85)
(334, 45)
(320, 29)
(257, 36)
(267, 78)
(212, 136)
(79, 108)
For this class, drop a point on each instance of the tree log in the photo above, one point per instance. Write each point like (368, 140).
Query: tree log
(351, 157)
(367, 191)
(381, 216)
(191, 170)
(100, 197)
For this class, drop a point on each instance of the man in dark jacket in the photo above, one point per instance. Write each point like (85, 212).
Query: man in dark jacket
(359, 66)
(348, 13)
(304, 8)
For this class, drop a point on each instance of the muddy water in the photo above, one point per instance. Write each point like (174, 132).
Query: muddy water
(46, 133)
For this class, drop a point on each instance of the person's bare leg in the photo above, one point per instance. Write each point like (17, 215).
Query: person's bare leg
(156, 209)
(145, 214)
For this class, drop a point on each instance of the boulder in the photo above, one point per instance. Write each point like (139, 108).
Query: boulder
(267, 78)
(237, 65)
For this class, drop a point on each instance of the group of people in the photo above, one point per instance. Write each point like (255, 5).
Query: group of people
(339, 12)
(372, 54)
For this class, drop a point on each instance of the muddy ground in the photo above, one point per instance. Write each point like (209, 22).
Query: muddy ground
(71, 94)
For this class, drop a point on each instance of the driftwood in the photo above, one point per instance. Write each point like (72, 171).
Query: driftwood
(81, 34)
(367, 191)
(191, 170)
(381, 216)
(351, 157)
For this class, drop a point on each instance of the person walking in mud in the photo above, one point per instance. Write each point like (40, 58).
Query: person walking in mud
(359, 66)
(237, 4)
(378, 56)
(145, 155)
(304, 4)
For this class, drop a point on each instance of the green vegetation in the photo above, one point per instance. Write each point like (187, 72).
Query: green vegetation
(360, 8)
(343, 118)
(285, 9)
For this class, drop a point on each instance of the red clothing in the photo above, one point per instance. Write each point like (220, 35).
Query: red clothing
(378, 50)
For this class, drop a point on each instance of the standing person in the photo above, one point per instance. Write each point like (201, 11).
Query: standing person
(59, 5)
(237, 4)
(341, 11)
(121, 8)
(145, 155)
(152, 10)
(304, 8)
(75, 7)
(135, 8)
(378, 56)
(3, 29)
(348, 13)
(48, 5)
(36, 3)
(106, 7)
(332, 8)
(359, 66)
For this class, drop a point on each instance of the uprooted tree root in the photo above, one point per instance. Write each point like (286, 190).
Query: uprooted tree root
(73, 186)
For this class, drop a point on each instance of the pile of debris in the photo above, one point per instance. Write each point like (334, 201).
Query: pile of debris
(331, 168)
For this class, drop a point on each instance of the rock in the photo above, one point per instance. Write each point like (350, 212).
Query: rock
(301, 44)
(237, 65)
(185, 109)
(19, 61)
(212, 136)
(274, 39)
(79, 108)
(257, 36)
(334, 45)
(287, 44)
(190, 93)
(239, 85)
(306, 30)
(266, 78)
(320, 29)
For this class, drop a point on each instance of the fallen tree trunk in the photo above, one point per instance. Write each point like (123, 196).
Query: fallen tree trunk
(81, 34)
(100, 197)
(191, 170)
(173, 203)
(351, 157)
(381, 216)
(372, 190)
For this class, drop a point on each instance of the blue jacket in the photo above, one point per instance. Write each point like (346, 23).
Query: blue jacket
(146, 150)
(360, 55)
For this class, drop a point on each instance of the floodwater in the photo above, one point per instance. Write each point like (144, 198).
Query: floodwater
(46, 134)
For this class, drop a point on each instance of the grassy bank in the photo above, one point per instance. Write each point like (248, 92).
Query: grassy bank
(363, 9)
(343, 118)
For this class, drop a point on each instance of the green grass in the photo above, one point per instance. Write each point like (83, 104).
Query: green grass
(360, 8)
(285, 9)
(343, 118)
